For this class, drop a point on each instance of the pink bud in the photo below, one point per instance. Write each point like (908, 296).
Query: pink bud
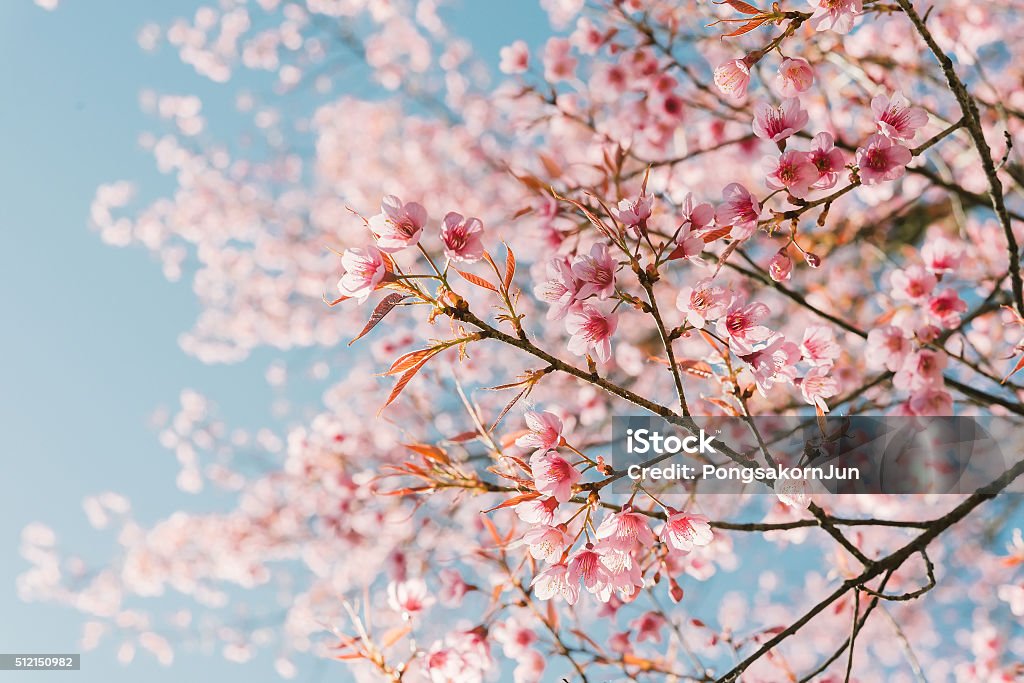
(812, 259)
(780, 268)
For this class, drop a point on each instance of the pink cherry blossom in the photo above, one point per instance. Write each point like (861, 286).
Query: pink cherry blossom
(545, 431)
(1014, 596)
(780, 268)
(515, 636)
(817, 385)
(921, 369)
(585, 565)
(398, 225)
(896, 118)
(740, 210)
(515, 58)
(595, 272)
(827, 159)
(929, 402)
(740, 326)
(461, 237)
(559, 64)
(887, 346)
(942, 255)
(792, 171)
(683, 531)
(881, 160)
(911, 284)
(590, 329)
(626, 529)
(819, 345)
(732, 78)
(633, 212)
(795, 76)
(703, 302)
(409, 597)
(946, 307)
(537, 510)
(648, 626)
(556, 582)
(364, 270)
(546, 542)
(453, 587)
(835, 15)
(560, 289)
(775, 362)
(530, 667)
(554, 475)
(778, 123)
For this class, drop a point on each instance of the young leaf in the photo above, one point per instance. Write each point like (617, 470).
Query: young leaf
(476, 280)
(510, 266)
(410, 359)
(745, 28)
(402, 382)
(386, 305)
(740, 6)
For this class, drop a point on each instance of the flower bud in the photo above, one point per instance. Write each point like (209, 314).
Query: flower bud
(812, 259)
(780, 268)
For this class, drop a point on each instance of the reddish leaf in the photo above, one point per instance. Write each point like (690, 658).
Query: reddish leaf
(476, 280)
(394, 635)
(514, 500)
(429, 451)
(594, 220)
(715, 234)
(697, 368)
(504, 411)
(746, 28)
(740, 6)
(408, 360)
(336, 301)
(402, 382)
(510, 266)
(386, 305)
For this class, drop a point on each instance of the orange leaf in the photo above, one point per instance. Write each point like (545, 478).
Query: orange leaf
(740, 6)
(1016, 368)
(394, 635)
(429, 451)
(410, 359)
(515, 500)
(715, 234)
(510, 266)
(386, 305)
(476, 280)
(403, 381)
(336, 301)
(746, 28)
(697, 368)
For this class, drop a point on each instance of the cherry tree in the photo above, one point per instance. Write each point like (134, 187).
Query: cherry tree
(673, 209)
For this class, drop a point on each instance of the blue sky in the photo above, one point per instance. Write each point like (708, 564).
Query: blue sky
(89, 346)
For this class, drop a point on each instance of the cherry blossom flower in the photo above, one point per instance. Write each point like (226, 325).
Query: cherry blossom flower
(560, 289)
(946, 307)
(545, 542)
(453, 587)
(819, 345)
(554, 475)
(896, 118)
(780, 268)
(740, 326)
(794, 492)
(795, 76)
(817, 385)
(696, 216)
(409, 597)
(732, 78)
(648, 627)
(585, 565)
(634, 212)
(835, 15)
(364, 270)
(887, 346)
(626, 529)
(530, 667)
(911, 284)
(930, 402)
(461, 237)
(559, 64)
(688, 246)
(921, 369)
(827, 159)
(1014, 596)
(537, 510)
(515, 58)
(545, 431)
(595, 272)
(398, 225)
(624, 576)
(776, 361)
(942, 255)
(740, 210)
(683, 530)
(591, 329)
(881, 160)
(702, 303)
(555, 581)
(778, 123)
(792, 171)
(515, 636)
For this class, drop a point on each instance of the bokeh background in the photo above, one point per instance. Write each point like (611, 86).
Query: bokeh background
(89, 341)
